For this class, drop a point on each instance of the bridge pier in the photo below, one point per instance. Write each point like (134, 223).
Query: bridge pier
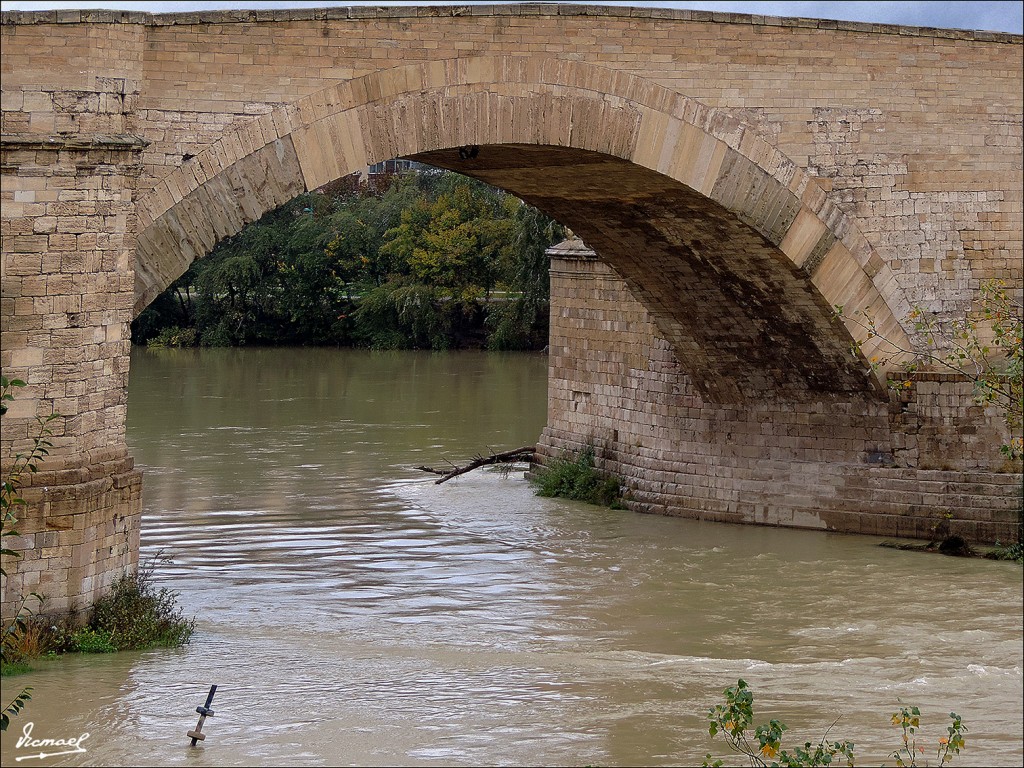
(68, 290)
(921, 462)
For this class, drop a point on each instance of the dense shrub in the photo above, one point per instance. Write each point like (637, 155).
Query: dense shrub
(175, 337)
(135, 614)
(1007, 552)
(88, 640)
(573, 476)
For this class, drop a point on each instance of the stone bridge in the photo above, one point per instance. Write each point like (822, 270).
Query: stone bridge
(735, 176)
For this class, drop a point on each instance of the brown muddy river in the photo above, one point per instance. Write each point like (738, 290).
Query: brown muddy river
(354, 613)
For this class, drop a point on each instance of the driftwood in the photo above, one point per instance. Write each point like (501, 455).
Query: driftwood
(506, 457)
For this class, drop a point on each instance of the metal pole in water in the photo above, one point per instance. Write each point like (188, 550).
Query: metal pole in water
(204, 712)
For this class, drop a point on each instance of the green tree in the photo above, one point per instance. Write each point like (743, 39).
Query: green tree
(425, 260)
(241, 288)
(521, 321)
(445, 258)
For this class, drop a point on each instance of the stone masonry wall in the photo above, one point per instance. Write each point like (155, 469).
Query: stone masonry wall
(864, 465)
(916, 132)
(66, 288)
(79, 537)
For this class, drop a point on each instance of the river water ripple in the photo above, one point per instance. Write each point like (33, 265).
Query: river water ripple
(352, 612)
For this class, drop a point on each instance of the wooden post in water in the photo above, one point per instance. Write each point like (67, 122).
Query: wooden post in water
(204, 712)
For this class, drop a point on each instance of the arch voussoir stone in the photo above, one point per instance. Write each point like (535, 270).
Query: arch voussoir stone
(219, 207)
(510, 100)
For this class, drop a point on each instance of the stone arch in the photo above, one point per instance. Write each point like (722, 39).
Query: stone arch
(798, 253)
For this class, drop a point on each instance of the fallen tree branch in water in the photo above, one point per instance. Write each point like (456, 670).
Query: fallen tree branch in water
(506, 457)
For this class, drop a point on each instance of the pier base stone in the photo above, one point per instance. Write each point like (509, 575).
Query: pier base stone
(76, 536)
(921, 461)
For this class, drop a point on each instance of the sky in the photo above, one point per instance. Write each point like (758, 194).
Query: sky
(958, 14)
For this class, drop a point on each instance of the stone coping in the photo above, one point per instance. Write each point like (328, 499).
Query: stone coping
(571, 248)
(33, 141)
(933, 375)
(95, 16)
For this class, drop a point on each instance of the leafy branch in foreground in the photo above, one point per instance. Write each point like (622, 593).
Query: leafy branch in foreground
(963, 346)
(736, 716)
(11, 500)
(909, 720)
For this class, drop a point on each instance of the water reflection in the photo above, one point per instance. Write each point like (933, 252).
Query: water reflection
(352, 612)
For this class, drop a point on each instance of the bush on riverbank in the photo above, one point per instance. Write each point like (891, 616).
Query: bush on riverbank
(134, 615)
(574, 476)
(1013, 552)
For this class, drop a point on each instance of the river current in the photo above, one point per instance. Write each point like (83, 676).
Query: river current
(352, 612)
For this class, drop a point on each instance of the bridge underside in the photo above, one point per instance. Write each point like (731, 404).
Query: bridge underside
(706, 369)
(696, 350)
(744, 319)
